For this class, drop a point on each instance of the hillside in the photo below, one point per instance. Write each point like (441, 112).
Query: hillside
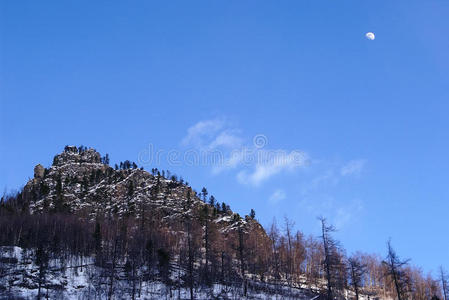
(79, 182)
(82, 229)
(122, 218)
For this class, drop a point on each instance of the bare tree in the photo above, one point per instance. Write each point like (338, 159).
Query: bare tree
(394, 270)
(444, 283)
(357, 271)
(191, 254)
(273, 235)
(288, 227)
(209, 239)
(332, 259)
(241, 249)
(41, 260)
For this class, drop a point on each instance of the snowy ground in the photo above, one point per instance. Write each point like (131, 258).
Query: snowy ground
(80, 279)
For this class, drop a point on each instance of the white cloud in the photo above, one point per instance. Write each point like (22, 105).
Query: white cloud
(212, 134)
(226, 139)
(255, 164)
(278, 161)
(354, 167)
(235, 159)
(201, 130)
(277, 196)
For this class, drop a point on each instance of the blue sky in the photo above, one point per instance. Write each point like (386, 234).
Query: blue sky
(351, 129)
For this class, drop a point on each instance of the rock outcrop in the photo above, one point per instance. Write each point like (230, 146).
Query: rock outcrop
(79, 182)
(39, 171)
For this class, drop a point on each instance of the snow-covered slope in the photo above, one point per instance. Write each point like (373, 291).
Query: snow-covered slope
(80, 183)
(79, 278)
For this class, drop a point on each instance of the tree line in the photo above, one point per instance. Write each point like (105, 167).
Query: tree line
(194, 249)
(146, 250)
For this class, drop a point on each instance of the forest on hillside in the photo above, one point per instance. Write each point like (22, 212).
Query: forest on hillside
(177, 238)
(194, 256)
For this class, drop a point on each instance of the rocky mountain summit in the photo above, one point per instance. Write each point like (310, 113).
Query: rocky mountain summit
(80, 181)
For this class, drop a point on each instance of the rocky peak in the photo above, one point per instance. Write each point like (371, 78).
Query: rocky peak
(73, 154)
(81, 182)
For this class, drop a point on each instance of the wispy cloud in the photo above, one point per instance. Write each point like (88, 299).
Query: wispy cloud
(228, 139)
(321, 192)
(277, 196)
(347, 214)
(202, 129)
(354, 167)
(339, 213)
(212, 134)
(278, 162)
(253, 161)
(235, 159)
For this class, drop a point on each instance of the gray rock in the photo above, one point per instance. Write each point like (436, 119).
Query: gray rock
(39, 171)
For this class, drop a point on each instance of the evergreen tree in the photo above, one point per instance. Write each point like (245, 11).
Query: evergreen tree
(59, 201)
(105, 159)
(204, 194)
(252, 214)
(212, 201)
(130, 188)
(224, 208)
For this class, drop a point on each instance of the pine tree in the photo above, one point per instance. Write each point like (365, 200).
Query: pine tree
(189, 197)
(130, 188)
(212, 201)
(59, 201)
(204, 194)
(252, 214)
(224, 208)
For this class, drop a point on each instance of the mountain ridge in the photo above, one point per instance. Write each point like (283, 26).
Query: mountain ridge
(79, 181)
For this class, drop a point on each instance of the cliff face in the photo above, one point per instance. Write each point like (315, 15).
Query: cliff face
(82, 183)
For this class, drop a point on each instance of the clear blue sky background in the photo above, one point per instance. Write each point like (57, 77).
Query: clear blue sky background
(372, 116)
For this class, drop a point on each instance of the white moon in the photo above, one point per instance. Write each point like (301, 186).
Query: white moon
(370, 36)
